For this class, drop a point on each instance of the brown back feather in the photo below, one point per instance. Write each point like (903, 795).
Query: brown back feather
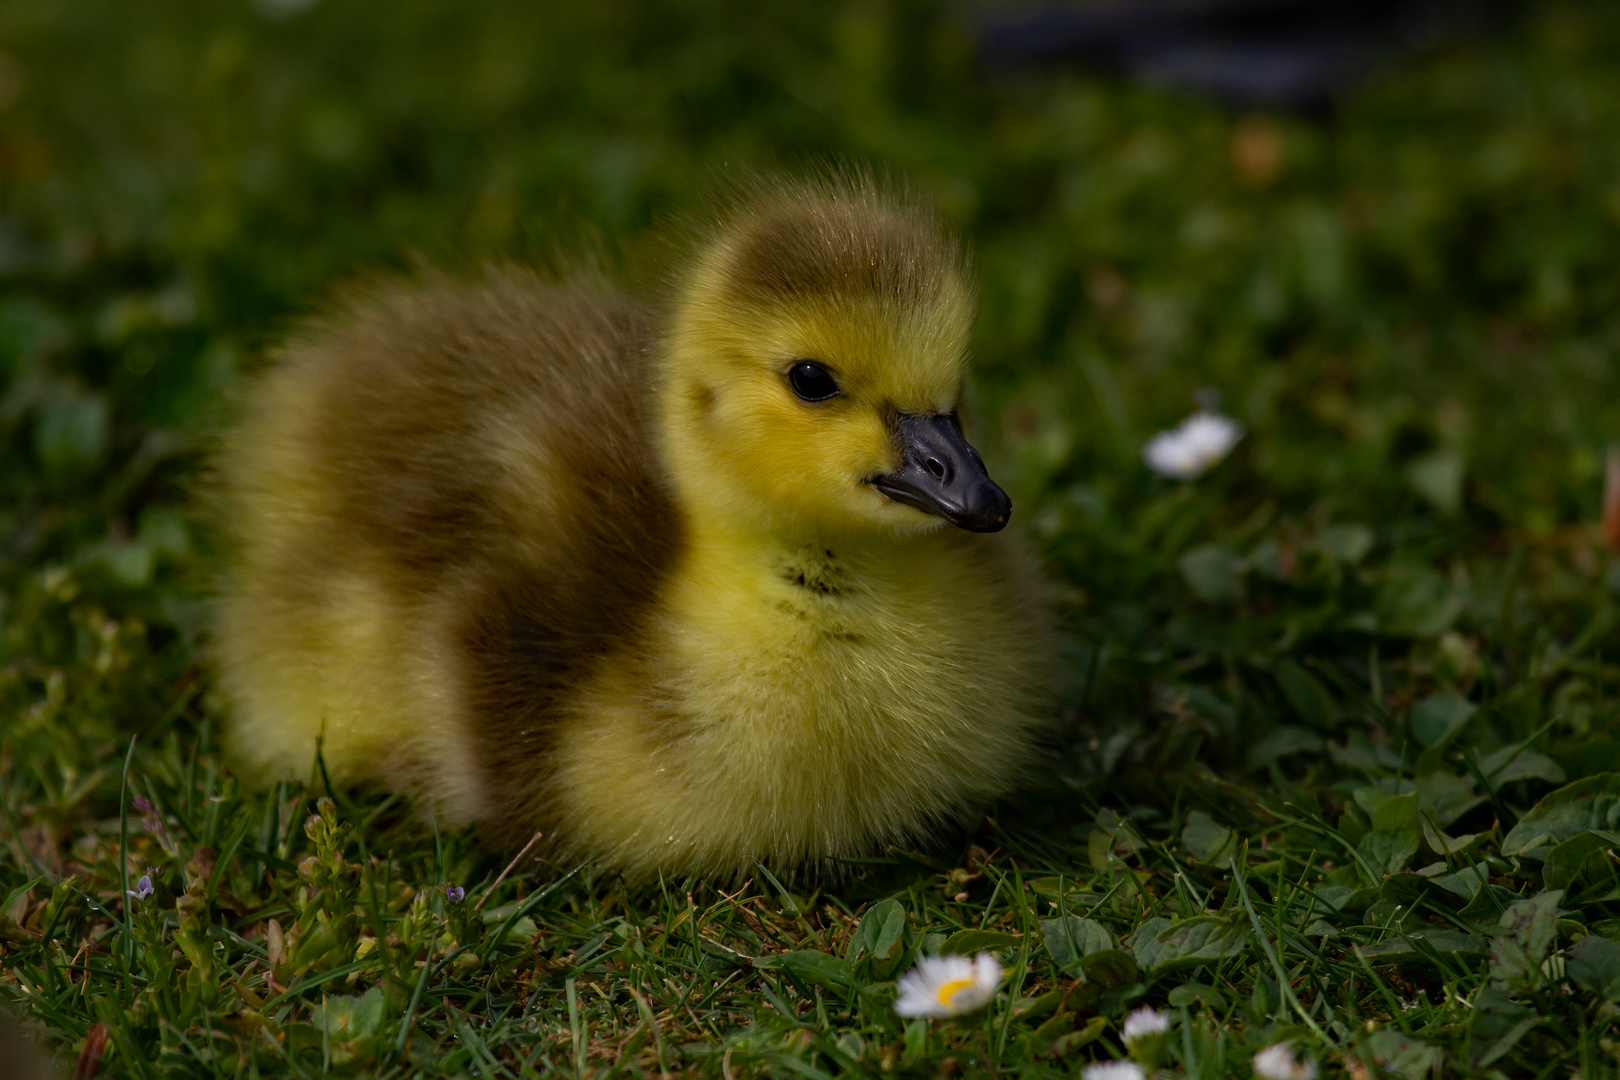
(427, 394)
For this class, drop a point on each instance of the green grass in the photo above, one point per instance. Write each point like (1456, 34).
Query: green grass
(1311, 699)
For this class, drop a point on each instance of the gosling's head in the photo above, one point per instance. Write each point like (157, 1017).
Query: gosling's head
(815, 369)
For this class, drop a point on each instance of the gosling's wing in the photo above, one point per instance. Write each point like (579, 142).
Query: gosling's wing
(454, 416)
(445, 498)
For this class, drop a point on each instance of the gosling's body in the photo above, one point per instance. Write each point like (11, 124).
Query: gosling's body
(551, 561)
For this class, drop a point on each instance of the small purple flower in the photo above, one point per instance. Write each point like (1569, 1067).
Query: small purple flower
(454, 893)
(153, 821)
(143, 888)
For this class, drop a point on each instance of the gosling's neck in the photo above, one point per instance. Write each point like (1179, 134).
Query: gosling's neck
(765, 549)
(732, 543)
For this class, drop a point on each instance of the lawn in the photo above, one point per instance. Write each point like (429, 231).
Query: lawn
(1339, 764)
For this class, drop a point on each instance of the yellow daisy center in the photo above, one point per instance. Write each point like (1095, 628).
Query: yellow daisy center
(949, 990)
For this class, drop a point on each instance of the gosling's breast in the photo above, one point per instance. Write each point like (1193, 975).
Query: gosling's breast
(809, 708)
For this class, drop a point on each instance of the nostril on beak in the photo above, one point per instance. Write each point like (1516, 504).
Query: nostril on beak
(937, 467)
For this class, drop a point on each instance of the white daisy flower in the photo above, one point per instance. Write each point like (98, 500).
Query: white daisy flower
(1192, 449)
(1113, 1070)
(942, 986)
(1146, 1035)
(1144, 1021)
(1277, 1062)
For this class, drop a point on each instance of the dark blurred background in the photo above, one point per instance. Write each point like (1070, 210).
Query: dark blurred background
(1294, 54)
(1422, 255)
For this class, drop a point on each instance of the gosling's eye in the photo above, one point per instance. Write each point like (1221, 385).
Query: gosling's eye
(811, 381)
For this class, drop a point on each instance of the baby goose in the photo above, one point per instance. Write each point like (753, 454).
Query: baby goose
(677, 588)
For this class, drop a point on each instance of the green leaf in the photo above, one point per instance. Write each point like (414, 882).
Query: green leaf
(1414, 601)
(1409, 947)
(1347, 544)
(1075, 895)
(1116, 1000)
(1214, 572)
(1404, 889)
(1074, 1040)
(1466, 882)
(1566, 860)
(1594, 962)
(1438, 477)
(1589, 804)
(350, 1026)
(129, 562)
(1531, 925)
(812, 966)
(1353, 825)
(1307, 695)
(70, 432)
(1360, 752)
(1531, 920)
(1099, 846)
(1209, 842)
(881, 931)
(1072, 937)
(1031, 1008)
(1059, 1024)
(1489, 904)
(1511, 763)
(1370, 799)
(1280, 741)
(1394, 837)
(1347, 898)
(523, 931)
(1397, 814)
(1437, 719)
(1188, 994)
(1442, 844)
(1109, 968)
(1402, 1054)
(1161, 945)
(1499, 1023)
(1444, 796)
(968, 942)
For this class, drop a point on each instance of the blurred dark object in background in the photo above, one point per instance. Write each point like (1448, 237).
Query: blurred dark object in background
(1282, 53)
(20, 1059)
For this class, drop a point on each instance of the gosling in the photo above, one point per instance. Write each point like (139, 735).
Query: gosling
(676, 583)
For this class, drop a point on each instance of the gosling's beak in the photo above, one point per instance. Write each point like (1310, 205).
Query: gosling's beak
(941, 474)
